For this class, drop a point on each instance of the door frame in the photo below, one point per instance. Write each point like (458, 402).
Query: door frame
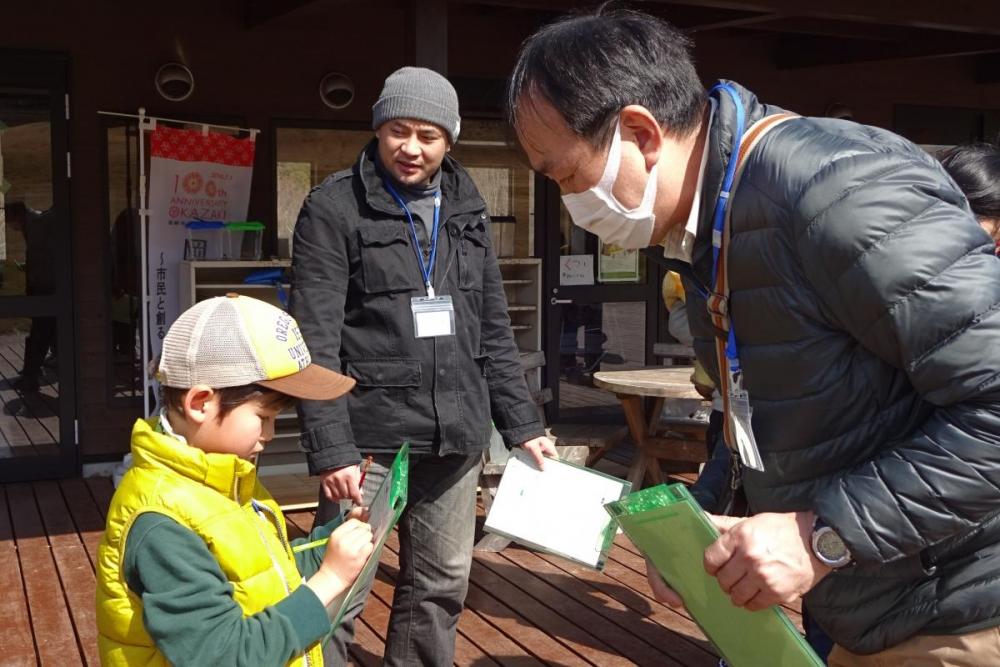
(547, 244)
(50, 71)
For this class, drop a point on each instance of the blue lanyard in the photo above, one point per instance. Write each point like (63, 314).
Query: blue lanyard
(425, 269)
(719, 221)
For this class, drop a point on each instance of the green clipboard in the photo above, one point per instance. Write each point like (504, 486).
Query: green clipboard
(667, 525)
(385, 509)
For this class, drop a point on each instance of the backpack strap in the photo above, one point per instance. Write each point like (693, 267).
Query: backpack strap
(718, 301)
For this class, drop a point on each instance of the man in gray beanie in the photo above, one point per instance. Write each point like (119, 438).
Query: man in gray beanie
(396, 284)
(419, 94)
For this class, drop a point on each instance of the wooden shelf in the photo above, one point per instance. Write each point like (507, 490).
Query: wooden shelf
(202, 280)
(227, 264)
(522, 282)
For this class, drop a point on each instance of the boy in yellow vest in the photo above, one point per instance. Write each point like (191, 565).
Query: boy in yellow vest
(195, 567)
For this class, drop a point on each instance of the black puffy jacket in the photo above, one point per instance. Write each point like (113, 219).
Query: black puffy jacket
(866, 302)
(354, 272)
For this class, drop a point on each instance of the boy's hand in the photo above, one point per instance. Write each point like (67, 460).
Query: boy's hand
(350, 545)
(346, 552)
(342, 483)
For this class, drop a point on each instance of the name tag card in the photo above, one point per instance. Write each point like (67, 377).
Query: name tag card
(739, 417)
(433, 316)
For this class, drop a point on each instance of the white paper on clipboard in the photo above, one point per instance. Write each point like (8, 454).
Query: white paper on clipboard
(559, 509)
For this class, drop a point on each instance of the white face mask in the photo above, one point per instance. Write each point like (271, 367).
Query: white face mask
(599, 212)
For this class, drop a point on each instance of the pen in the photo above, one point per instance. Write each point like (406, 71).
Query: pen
(364, 471)
(310, 545)
(318, 543)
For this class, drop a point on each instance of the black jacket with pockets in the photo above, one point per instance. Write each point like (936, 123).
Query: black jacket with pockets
(354, 273)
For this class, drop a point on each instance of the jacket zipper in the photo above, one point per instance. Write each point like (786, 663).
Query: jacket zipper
(274, 520)
(261, 510)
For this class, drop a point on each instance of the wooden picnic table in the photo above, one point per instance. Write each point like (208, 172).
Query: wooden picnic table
(664, 385)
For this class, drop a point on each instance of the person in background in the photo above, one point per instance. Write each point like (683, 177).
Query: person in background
(672, 291)
(40, 280)
(976, 170)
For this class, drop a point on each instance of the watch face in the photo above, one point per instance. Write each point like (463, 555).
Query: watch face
(830, 546)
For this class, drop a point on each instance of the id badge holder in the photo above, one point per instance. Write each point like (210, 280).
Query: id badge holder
(739, 417)
(433, 316)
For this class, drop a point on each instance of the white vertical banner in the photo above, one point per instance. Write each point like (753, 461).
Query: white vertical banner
(193, 175)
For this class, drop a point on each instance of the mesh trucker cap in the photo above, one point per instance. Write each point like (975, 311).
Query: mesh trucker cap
(233, 340)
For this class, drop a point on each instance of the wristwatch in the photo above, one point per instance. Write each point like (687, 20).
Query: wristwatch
(828, 547)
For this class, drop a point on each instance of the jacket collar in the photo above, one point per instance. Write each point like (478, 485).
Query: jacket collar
(228, 474)
(720, 137)
(458, 192)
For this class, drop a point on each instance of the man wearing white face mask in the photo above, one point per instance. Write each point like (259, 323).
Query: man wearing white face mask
(599, 212)
(845, 302)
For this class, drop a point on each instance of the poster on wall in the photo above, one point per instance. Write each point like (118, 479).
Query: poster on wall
(617, 265)
(193, 176)
(294, 183)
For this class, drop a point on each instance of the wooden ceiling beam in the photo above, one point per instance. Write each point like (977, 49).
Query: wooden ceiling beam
(761, 21)
(987, 68)
(427, 34)
(259, 12)
(971, 16)
(798, 52)
(966, 16)
(842, 29)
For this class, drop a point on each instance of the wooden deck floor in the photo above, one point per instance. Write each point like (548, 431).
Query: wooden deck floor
(522, 609)
(29, 422)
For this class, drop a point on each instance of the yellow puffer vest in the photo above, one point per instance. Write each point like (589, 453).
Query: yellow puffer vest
(211, 495)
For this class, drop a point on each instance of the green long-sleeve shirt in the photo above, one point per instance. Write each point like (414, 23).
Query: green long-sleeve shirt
(188, 605)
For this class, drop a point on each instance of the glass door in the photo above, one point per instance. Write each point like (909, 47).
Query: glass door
(37, 402)
(602, 306)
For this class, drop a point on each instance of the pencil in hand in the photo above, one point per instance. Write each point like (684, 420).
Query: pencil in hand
(365, 465)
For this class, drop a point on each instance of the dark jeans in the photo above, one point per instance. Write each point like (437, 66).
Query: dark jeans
(819, 640)
(716, 418)
(436, 533)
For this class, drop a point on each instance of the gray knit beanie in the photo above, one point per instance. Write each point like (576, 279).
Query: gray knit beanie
(420, 94)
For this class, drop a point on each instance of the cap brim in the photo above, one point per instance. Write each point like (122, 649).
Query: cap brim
(313, 383)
